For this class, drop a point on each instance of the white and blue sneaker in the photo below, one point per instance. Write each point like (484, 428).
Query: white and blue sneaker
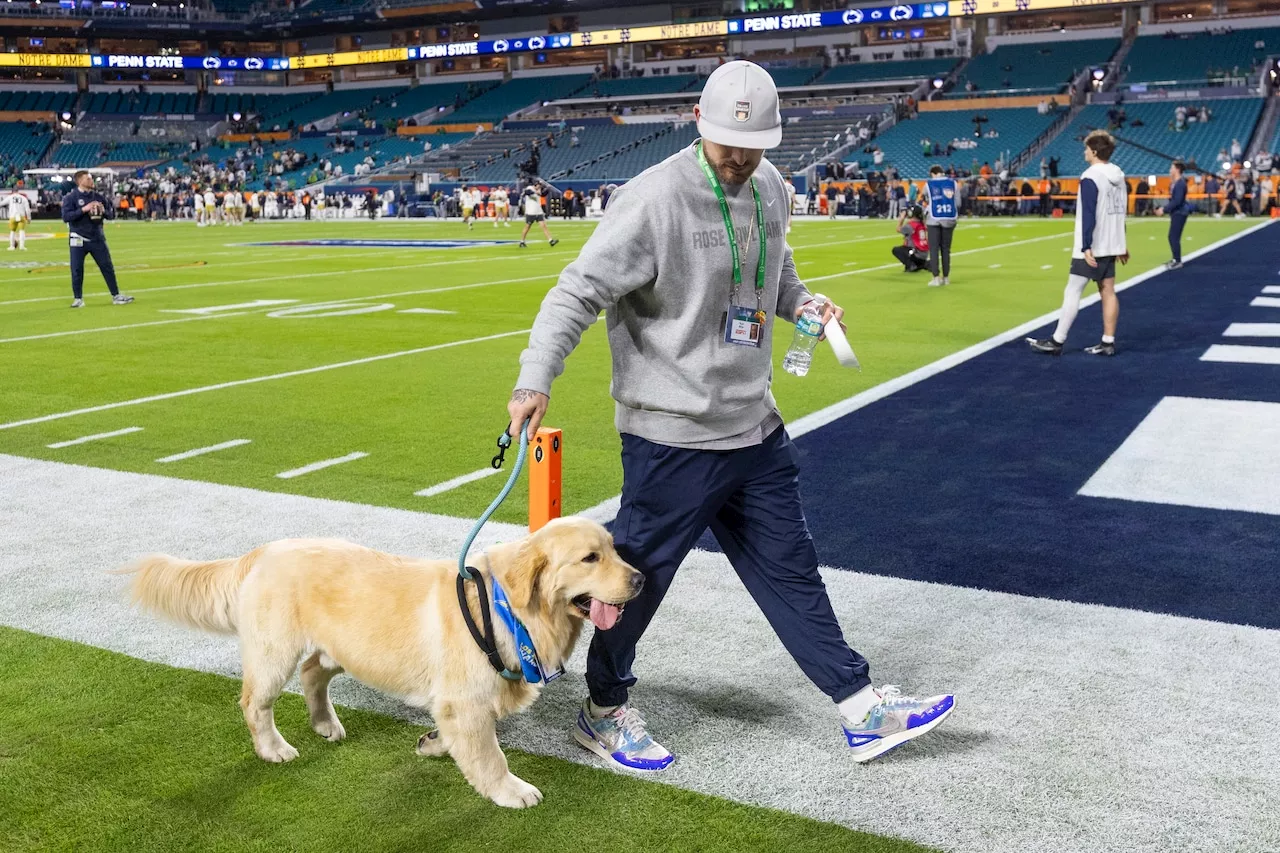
(621, 739)
(894, 721)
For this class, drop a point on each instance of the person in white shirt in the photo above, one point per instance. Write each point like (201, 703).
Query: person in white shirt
(1101, 204)
(501, 206)
(19, 216)
(210, 207)
(531, 202)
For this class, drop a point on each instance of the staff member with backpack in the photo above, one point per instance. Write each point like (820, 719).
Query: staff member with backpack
(941, 202)
(83, 209)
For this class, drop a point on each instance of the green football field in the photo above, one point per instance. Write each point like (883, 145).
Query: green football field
(400, 362)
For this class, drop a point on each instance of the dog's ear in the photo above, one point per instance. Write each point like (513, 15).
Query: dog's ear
(525, 574)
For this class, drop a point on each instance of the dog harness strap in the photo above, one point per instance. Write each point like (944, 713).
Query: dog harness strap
(486, 640)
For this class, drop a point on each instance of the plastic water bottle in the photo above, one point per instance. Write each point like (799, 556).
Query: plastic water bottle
(805, 339)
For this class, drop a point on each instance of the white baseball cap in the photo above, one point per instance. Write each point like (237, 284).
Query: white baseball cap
(739, 107)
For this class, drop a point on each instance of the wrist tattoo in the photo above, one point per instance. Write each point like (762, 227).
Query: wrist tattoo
(522, 395)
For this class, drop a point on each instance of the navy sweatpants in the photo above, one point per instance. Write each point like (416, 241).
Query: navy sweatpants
(750, 498)
(101, 256)
(1176, 224)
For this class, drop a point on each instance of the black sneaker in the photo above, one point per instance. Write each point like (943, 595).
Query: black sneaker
(1048, 346)
(1101, 348)
(523, 245)
(554, 241)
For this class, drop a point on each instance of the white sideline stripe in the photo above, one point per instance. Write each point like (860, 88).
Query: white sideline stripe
(1266, 302)
(1252, 330)
(331, 303)
(323, 463)
(606, 510)
(86, 438)
(256, 379)
(291, 277)
(450, 485)
(953, 254)
(1241, 354)
(200, 451)
(424, 311)
(1271, 288)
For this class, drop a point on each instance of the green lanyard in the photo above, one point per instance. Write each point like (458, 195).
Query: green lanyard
(728, 226)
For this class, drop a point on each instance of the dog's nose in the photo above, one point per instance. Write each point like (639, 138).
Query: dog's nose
(637, 582)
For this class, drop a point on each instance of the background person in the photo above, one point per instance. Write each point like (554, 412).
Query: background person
(941, 203)
(914, 251)
(1178, 209)
(83, 209)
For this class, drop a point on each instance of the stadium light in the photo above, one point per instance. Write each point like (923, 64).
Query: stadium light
(236, 116)
(1226, 167)
(1248, 165)
(938, 82)
(66, 116)
(1099, 73)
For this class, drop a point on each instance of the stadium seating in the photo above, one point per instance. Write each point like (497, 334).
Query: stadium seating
(862, 72)
(21, 147)
(809, 140)
(32, 101)
(1017, 129)
(1040, 68)
(518, 93)
(333, 103)
(264, 106)
(626, 86)
(1232, 119)
(134, 103)
(86, 154)
(1195, 57)
(784, 77)
(420, 99)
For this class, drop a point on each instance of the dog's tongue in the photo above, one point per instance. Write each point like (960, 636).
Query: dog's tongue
(604, 616)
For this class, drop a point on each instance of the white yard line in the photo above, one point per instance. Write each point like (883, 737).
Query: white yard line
(1242, 354)
(256, 379)
(236, 281)
(201, 451)
(1271, 288)
(323, 463)
(1266, 302)
(1252, 330)
(450, 485)
(222, 314)
(87, 438)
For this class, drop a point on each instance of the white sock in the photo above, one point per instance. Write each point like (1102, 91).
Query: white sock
(22, 239)
(1070, 306)
(599, 712)
(856, 707)
(1108, 339)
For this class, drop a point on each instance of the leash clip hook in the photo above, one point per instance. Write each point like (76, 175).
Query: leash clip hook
(504, 441)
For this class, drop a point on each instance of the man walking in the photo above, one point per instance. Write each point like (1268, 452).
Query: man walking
(1099, 243)
(83, 210)
(1178, 209)
(692, 267)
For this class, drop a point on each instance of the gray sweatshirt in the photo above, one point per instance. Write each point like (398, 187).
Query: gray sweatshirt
(659, 265)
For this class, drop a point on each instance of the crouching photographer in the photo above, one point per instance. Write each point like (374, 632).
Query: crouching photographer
(914, 251)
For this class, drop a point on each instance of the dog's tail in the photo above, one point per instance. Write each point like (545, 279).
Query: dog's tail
(202, 595)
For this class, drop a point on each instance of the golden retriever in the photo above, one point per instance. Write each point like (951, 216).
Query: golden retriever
(395, 624)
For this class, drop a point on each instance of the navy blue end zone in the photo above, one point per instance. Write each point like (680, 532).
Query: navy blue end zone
(971, 477)
(338, 243)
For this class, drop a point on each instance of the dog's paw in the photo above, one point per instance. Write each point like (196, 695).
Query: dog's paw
(278, 752)
(331, 730)
(431, 744)
(515, 793)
